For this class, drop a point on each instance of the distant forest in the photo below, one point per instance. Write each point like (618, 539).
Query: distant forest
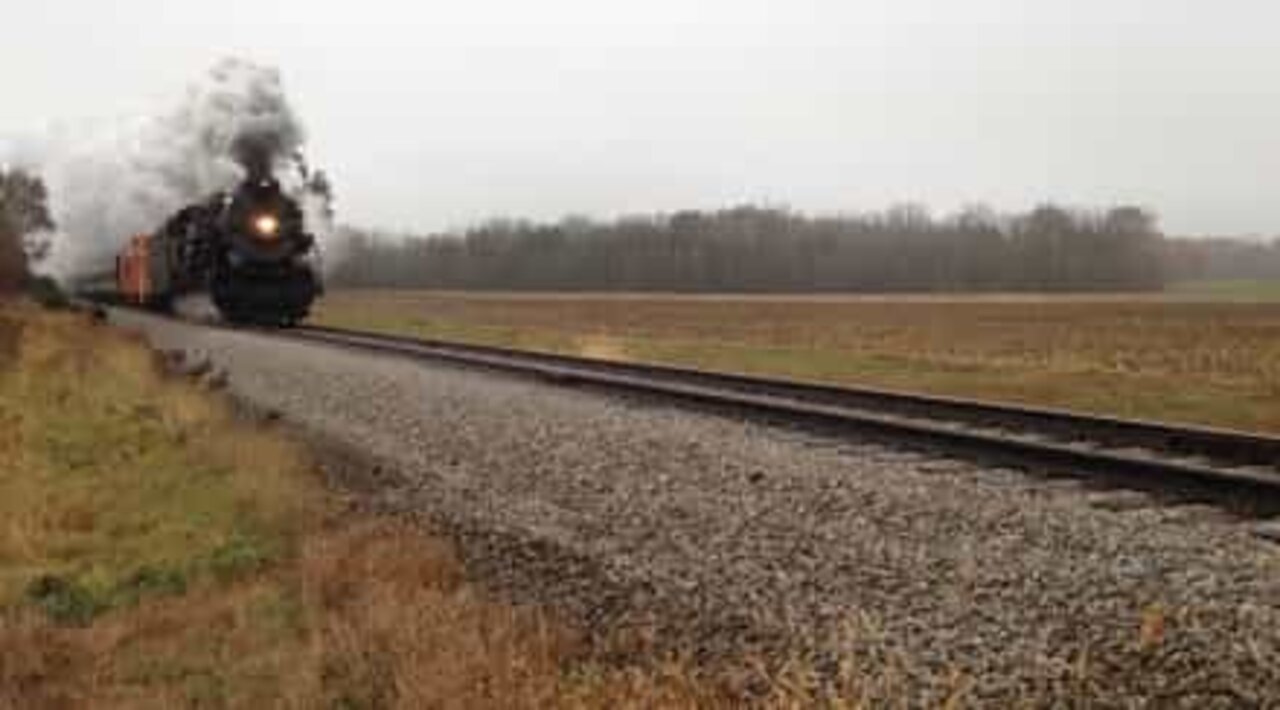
(1217, 259)
(761, 249)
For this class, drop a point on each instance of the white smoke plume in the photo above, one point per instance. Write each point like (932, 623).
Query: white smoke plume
(108, 182)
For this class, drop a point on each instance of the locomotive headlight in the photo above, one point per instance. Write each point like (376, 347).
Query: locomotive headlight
(266, 225)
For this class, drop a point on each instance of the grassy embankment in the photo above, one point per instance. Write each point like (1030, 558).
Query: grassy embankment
(157, 552)
(1196, 359)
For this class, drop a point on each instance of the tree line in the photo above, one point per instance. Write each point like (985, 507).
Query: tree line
(765, 249)
(1221, 259)
(753, 249)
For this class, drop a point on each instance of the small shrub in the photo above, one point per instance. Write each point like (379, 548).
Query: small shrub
(241, 555)
(150, 581)
(10, 338)
(63, 600)
(46, 291)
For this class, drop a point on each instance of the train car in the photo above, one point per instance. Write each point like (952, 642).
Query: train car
(142, 276)
(248, 249)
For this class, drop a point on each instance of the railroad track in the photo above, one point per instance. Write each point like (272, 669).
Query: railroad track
(1245, 466)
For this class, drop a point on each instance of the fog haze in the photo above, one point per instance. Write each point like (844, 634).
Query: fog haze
(432, 115)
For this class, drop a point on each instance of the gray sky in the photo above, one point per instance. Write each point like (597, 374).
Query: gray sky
(434, 114)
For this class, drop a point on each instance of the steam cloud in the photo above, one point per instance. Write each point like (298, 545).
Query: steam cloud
(108, 182)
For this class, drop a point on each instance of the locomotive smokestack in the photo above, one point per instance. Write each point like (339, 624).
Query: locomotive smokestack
(259, 153)
(256, 164)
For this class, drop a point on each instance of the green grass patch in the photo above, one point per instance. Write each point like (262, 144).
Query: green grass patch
(1230, 289)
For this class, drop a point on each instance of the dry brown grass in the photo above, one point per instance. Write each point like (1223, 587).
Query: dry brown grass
(198, 562)
(1209, 362)
(374, 615)
(397, 626)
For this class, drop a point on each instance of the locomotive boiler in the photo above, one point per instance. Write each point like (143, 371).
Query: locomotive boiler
(248, 249)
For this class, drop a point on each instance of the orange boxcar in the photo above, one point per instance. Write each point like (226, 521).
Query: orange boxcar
(133, 271)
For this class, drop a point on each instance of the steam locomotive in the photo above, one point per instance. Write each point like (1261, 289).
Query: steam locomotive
(248, 249)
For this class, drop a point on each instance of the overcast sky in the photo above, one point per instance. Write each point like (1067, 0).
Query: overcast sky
(436, 114)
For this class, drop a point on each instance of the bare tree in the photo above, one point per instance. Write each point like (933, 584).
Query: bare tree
(23, 211)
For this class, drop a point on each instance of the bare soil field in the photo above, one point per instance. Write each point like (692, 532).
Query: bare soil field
(1185, 357)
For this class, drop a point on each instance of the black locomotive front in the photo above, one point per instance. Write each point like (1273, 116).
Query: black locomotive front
(248, 249)
(261, 270)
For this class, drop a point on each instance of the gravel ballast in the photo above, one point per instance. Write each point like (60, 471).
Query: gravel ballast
(916, 575)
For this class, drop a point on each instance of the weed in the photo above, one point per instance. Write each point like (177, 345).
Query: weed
(240, 556)
(64, 601)
(10, 335)
(150, 581)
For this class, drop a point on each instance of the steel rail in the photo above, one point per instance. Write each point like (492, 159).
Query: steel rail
(1052, 438)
